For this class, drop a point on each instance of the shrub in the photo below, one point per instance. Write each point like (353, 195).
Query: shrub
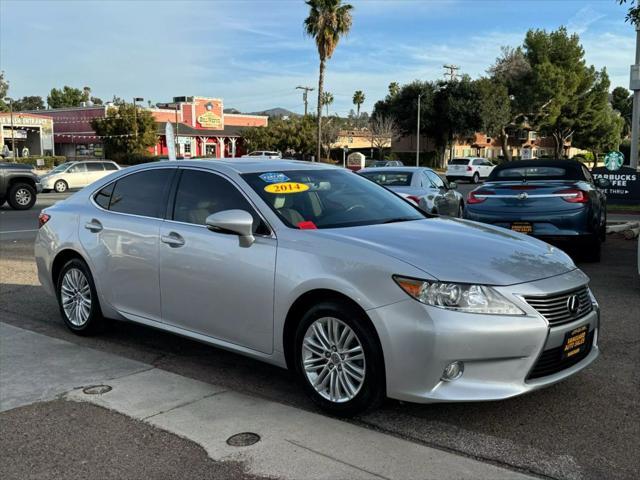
(49, 162)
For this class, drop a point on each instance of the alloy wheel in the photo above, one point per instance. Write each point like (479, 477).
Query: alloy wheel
(75, 294)
(333, 360)
(23, 196)
(60, 186)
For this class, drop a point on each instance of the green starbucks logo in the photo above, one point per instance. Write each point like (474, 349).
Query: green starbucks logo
(613, 160)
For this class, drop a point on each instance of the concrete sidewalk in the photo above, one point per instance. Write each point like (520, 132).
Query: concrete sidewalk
(293, 443)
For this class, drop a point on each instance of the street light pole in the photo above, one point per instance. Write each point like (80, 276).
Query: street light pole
(418, 134)
(13, 139)
(135, 114)
(635, 115)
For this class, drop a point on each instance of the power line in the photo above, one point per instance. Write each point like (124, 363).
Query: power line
(453, 71)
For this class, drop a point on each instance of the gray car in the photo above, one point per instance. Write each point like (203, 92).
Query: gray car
(422, 186)
(313, 268)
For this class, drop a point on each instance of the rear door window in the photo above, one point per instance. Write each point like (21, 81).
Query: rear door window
(103, 197)
(109, 166)
(143, 193)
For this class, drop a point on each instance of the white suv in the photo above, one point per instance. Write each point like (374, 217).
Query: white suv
(263, 154)
(76, 174)
(469, 168)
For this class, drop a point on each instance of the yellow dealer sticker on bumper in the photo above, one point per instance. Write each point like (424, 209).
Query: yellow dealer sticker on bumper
(286, 187)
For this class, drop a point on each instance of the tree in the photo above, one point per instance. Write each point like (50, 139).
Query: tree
(127, 130)
(66, 97)
(295, 136)
(28, 103)
(622, 102)
(330, 133)
(394, 89)
(633, 14)
(327, 99)
(383, 131)
(4, 88)
(494, 109)
(328, 21)
(358, 99)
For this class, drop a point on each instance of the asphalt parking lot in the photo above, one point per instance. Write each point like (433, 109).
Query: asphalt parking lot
(587, 427)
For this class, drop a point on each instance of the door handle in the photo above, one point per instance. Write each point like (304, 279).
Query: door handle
(173, 240)
(93, 226)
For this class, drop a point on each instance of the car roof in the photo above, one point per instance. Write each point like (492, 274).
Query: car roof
(392, 169)
(249, 165)
(572, 166)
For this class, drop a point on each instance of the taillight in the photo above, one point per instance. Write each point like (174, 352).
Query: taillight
(477, 196)
(414, 199)
(469, 168)
(573, 195)
(42, 219)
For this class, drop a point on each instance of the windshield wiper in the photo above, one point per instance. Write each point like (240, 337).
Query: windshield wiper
(399, 219)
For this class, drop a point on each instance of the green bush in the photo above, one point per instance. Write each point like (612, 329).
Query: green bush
(49, 162)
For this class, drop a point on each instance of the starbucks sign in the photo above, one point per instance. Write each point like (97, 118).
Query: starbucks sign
(613, 161)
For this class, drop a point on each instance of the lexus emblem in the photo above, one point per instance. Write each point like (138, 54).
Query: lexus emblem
(523, 196)
(573, 304)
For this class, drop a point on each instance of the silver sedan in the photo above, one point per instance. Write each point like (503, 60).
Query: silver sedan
(313, 268)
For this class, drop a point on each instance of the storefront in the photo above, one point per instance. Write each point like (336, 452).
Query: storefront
(28, 133)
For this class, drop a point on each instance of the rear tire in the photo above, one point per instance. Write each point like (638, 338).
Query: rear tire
(322, 357)
(460, 210)
(78, 299)
(476, 178)
(22, 196)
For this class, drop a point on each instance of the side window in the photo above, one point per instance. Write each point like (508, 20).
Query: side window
(109, 166)
(477, 162)
(142, 193)
(94, 167)
(103, 197)
(201, 193)
(78, 168)
(437, 181)
(426, 181)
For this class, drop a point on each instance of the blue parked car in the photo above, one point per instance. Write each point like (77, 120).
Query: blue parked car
(555, 200)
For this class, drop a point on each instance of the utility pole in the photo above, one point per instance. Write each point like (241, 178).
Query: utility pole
(176, 143)
(305, 91)
(418, 134)
(453, 71)
(13, 139)
(135, 114)
(634, 85)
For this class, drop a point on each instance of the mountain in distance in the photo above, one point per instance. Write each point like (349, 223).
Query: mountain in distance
(272, 112)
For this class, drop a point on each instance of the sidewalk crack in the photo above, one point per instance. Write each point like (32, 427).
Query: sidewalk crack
(183, 405)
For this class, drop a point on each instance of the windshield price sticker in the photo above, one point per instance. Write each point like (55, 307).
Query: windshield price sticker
(274, 177)
(286, 187)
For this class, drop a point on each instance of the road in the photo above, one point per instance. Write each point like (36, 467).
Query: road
(587, 427)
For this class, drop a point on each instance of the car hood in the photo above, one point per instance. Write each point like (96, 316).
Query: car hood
(461, 251)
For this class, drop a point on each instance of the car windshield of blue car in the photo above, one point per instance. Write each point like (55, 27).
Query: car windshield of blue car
(316, 199)
(389, 178)
(550, 173)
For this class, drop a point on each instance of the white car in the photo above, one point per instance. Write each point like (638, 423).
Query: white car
(77, 174)
(263, 154)
(472, 169)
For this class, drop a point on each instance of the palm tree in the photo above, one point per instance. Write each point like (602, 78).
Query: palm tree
(327, 99)
(358, 99)
(328, 20)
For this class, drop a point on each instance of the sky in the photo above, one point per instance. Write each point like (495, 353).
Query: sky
(253, 53)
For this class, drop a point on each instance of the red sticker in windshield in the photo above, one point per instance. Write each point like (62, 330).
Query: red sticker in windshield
(307, 226)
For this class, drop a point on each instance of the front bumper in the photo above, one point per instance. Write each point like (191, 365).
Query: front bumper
(499, 352)
(38, 187)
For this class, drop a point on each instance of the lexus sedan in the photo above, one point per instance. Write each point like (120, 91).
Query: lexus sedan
(422, 186)
(311, 267)
(555, 200)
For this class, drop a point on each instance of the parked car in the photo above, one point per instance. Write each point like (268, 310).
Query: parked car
(472, 169)
(308, 266)
(19, 185)
(263, 154)
(549, 199)
(385, 163)
(421, 186)
(77, 174)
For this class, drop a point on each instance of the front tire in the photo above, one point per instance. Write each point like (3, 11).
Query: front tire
(22, 196)
(60, 186)
(339, 359)
(78, 299)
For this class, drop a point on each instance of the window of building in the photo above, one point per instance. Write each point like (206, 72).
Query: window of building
(187, 148)
(141, 193)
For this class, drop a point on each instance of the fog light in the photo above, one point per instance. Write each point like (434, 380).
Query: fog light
(453, 371)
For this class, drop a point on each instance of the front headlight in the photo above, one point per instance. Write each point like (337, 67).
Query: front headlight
(458, 296)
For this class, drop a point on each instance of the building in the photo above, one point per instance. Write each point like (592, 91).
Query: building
(35, 132)
(201, 128)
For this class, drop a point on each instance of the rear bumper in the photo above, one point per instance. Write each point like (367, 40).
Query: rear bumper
(569, 223)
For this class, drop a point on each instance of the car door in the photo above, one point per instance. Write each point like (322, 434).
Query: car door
(446, 201)
(487, 167)
(120, 233)
(95, 171)
(76, 175)
(209, 283)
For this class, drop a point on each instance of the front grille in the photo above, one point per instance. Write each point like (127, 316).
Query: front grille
(551, 360)
(555, 309)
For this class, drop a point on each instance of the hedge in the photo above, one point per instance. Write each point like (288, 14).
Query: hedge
(49, 162)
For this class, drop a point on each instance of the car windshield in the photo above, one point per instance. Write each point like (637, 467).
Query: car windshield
(329, 199)
(389, 178)
(61, 168)
(541, 172)
(459, 161)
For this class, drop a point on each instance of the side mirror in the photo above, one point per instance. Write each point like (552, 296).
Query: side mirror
(453, 185)
(602, 182)
(235, 222)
